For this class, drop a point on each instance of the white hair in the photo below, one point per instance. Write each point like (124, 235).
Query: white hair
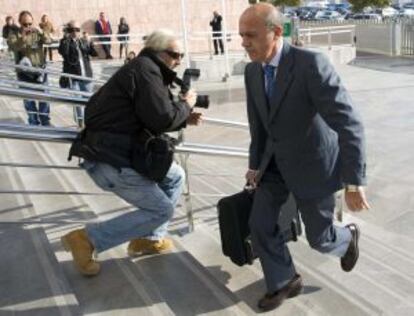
(274, 18)
(160, 40)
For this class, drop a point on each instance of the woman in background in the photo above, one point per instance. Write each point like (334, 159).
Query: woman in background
(47, 27)
(123, 30)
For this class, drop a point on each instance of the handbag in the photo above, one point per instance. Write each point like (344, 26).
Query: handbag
(153, 156)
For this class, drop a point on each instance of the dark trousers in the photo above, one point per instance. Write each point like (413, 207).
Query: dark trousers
(268, 242)
(217, 40)
(106, 47)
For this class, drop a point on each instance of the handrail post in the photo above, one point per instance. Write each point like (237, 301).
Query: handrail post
(187, 193)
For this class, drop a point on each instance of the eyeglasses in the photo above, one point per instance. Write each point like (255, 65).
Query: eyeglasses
(175, 55)
(26, 24)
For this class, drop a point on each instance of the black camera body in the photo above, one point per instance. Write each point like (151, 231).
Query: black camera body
(202, 101)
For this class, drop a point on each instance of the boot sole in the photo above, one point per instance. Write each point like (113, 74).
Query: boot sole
(143, 253)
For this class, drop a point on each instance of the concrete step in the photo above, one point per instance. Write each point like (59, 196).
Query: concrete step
(161, 290)
(32, 281)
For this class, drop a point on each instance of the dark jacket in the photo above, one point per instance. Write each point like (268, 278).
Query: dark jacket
(123, 29)
(69, 52)
(309, 126)
(135, 98)
(99, 30)
(9, 29)
(216, 23)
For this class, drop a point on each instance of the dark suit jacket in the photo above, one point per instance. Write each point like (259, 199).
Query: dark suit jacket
(99, 30)
(311, 130)
(215, 23)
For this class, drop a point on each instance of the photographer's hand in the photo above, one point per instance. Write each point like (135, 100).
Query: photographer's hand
(195, 118)
(190, 97)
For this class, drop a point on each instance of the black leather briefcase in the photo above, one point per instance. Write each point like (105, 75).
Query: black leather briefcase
(233, 215)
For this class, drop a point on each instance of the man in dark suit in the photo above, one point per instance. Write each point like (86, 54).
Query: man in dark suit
(215, 24)
(103, 27)
(306, 139)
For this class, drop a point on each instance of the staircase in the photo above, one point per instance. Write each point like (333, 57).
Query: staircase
(39, 205)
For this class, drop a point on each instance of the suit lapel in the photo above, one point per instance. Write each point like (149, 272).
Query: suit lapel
(259, 93)
(283, 80)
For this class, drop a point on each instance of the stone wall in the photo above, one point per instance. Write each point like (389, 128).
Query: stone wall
(143, 16)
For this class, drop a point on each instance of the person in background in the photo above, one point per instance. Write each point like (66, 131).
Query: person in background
(123, 30)
(131, 55)
(27, 45)
(76, 52)
(9, 28)
(103, 27)
(47, 27)
(215, 24)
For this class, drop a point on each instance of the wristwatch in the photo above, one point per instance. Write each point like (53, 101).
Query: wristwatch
(352, 188)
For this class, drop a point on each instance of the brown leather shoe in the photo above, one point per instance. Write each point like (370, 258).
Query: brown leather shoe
(78, 243)
(142, 246)
(274, 300)
(349, 260)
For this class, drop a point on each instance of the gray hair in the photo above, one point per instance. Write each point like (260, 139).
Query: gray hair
(274, 18)
(159, 40)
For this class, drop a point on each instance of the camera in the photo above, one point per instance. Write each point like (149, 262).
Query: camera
(202, 101)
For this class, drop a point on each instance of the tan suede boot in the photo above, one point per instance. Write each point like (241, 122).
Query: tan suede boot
(146, 246)
(78, 243)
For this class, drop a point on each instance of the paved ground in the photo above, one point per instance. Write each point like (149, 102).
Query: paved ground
(38, 205)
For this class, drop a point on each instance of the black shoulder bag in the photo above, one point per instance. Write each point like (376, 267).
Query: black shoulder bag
(153, 155)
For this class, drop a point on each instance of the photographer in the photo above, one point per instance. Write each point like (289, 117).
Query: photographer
(27, 46)
(135, 102)
(75, 52)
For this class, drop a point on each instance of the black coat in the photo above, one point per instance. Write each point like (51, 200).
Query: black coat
(9, 29)
(135, 98)
(216, 23)
(123, 29)
(69, 52)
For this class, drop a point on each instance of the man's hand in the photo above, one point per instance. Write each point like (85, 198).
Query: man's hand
(251, 178)
(195, 118)
(190, 97)
(356, 201)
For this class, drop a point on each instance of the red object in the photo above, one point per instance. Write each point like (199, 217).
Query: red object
(105, 27)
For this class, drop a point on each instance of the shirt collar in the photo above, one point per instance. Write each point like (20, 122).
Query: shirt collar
(276, 58)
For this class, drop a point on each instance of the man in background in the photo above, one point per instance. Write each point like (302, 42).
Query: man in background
(102, 28)
(215, 24)
(27, 45)
(76, 52)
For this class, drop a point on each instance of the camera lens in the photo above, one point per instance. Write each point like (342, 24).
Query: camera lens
(203, 101)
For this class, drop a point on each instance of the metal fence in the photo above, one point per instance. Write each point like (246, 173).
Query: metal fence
(407, 37)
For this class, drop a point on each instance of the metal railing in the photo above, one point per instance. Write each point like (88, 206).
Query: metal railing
(50, 72)
(67, 135)
(306, 34)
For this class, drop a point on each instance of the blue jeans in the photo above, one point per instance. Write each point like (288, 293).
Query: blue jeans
(80, 85)
(41, 115)
(155, 202)
(37, 116)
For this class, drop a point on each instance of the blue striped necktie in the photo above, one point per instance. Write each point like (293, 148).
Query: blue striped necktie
(269, 72)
